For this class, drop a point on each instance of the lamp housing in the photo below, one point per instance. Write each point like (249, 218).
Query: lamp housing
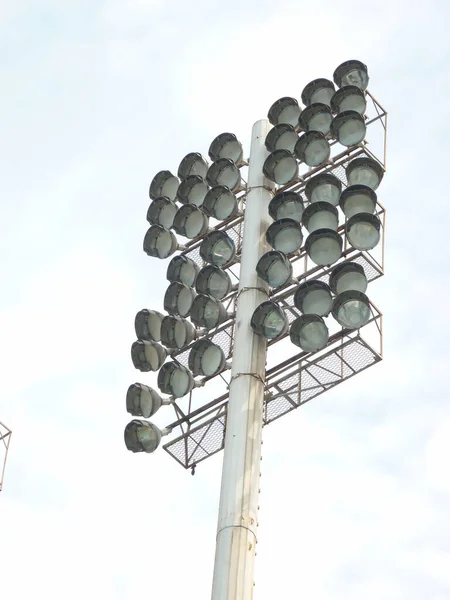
(320, 215)
(348, 276)
(349, 97)
(324, 246)
(218, 248)
(147, 356)
(208, 312)
(284, 110)
(324, 187)
(142, 436)
(364, 171)
(147, 325)
(142, 400)
(176, 332)
(213, 281)
(182, 269)
(352, 72)
(316, 117)
(192, 164)
(358, 199)
(309, 333)
(162, 212)
(206, 358)
(190, 221)
(175, 380)
(281, 137)
(281, 167)
(318, 91)
(363, 231)
(178, 299)
(274, 268)
(349, 128)
(220, 203)
(313, 297)
(287, 205)
(285, 235)
(224, 171)
(351, 309)
(159, 242)
(269, 320)
(192, 190)
(312, 148)
(226, 145)
(165, 184)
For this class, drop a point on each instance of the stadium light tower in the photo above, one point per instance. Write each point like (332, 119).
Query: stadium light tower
(279, 250)
(5, 439)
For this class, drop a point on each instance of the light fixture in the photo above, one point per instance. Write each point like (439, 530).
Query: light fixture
(224, 171)
(287, 205)
(162, 212)
(147, 356)
(192, 190)
(269, 320)
(214, 282)
(312, 148)
(324, 246)
(313, 297)
(176, 332)
(358, 199)
(349, 97)
(190, 221)
(281, 167)
(160, 242)
(175, 380)
(309, 333)
(220, 203)
(143, 436)
(363, 231)
(319, 90)
(351, 309)
(226, 145)
(320, 215)
(147, 325)
(182, 269)
(192, 164)
(281, 137)
(178, 299)
(274, 268)
(143, 401)
(285, 235)
(325, 187)
(316, 117)
(348, 276)
(206, 358)
(218, 248)
(284, 110)
(208, 312)
(164, 184)
(348, 128)
(352, 72)
(365, 171)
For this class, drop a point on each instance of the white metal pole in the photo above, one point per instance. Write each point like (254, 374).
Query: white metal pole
(237, 523)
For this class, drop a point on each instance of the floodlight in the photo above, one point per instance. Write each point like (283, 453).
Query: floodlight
(147, 356)
(226, 145)
(164, 184)
(312, 148)
(147, 325)
(274, 268)
(358, 199)
(348, 128)
(352, 72)
(284, 110)
(162, 212)
(192, 164)
(309, 333)
(142, 436)
(349, 97)
(178, 299)
(143, 401)
(348, 276)
(351, 309)
(190, 221)
(281, 167)
(285, 235)
(224, 171)
(363, 231)
(176, 332)
(319, 90)
(320, 215)
(220, 203)
(324, 246)
(206, 358)
(214, 282)
(208, 312)
(182, 269)
(159, 242)
(287, 205)
(324, 188)
(281, 137)
(218, 248)
(192, 190)
(364, 171)
(316, 117)
(313, 298)
(269, 320)
(175, 380)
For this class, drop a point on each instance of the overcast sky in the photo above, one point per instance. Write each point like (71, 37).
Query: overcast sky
(97, 96)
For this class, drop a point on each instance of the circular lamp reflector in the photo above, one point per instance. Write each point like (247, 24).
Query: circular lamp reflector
(284, 110)
(348, 128)
(147, 356)
(324, 188)
(348, 276)
(192, 190)
(324, 246)
(349, 97)
(351, 309)
(352, 72)
(281, 137)
(142, 436)
(206, 358)
(287, 205)
(218, 248)
(318, 91)
(142, 401)
(363, 231)
(316, 117)
(176, 332)
(309, 333)
(226, 145)
(269, 320)
(207, 312)
(164, 184)
(285, 235)
(182, 269)
(190, 221)
(364, 171)
(281, 167)
(178, 299)
(214, 282)
(358, 199)
(175, 380)
(224, 171)
(320, 215)
(312, 148)
(147, 325)
(313, 298)
(192, 164)
(162, 212)
(274, 268)
(159, 242)
(220, 203)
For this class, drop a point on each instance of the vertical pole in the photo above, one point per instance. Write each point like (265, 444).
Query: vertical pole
(237, 523)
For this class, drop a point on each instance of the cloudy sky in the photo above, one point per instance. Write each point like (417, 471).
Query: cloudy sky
(97, 96)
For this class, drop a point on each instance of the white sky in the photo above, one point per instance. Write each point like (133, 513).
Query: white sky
(99, 96)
